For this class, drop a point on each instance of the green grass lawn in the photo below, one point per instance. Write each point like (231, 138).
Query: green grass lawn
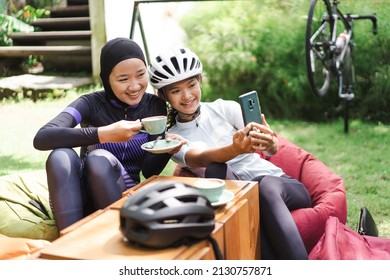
(361, 157)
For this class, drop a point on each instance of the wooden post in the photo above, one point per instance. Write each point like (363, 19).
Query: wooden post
(98, 37)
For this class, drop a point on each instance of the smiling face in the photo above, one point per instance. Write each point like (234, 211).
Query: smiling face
(129, 80)
(185, 97)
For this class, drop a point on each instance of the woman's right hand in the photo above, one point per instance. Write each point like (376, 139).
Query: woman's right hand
(242, 144)
(121, 131)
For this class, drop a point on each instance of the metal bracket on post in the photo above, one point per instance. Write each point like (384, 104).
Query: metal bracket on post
(137, 18)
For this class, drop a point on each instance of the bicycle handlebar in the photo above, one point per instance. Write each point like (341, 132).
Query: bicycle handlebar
(370, 17)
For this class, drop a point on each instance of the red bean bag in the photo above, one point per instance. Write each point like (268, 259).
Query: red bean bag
(342, 243)
(326, 189)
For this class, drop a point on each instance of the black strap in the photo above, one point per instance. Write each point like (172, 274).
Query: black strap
(217, 251)
(39, 206)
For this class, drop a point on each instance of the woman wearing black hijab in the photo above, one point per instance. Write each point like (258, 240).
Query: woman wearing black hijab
(108, 132)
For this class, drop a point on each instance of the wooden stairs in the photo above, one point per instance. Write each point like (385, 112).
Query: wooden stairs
(63, 40)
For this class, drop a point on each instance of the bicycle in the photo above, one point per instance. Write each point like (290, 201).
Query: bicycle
(329, 51)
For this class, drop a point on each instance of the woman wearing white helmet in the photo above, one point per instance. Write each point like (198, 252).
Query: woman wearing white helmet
(216, 133)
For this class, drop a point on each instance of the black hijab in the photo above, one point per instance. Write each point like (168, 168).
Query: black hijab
(113, 52)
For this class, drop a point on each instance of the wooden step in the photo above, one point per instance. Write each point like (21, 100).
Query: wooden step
(25, 51)
(64, 23)
(69, 11)
(39, 36)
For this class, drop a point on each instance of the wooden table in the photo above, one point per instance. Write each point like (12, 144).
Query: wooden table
(98, 236)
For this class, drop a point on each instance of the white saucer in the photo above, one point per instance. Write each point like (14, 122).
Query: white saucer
(224, 198)
(162, 146)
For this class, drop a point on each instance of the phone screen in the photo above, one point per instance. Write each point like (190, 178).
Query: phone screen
(250, 107)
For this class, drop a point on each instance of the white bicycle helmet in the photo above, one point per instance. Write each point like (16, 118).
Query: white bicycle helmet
(173, 66)
(166, 214)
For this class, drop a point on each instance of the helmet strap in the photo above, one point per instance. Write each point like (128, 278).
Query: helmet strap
(192, 115)
(217, 251)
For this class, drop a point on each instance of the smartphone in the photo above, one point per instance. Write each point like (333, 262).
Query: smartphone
(250, 107)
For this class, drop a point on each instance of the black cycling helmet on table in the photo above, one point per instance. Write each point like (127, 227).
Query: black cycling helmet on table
(165, 214)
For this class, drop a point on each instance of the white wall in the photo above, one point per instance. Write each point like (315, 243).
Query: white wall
(118, 18)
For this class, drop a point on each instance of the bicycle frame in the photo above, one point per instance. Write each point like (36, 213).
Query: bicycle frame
(338, 59)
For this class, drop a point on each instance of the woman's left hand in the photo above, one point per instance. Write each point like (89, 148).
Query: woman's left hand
(263, 138)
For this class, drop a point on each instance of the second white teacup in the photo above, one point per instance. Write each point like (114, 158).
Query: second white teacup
(210, 188)
(155, 124)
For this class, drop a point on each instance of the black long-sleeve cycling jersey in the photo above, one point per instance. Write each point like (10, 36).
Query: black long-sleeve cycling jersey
(94, 110)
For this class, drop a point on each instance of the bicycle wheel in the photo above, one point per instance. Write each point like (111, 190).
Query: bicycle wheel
(317, 46)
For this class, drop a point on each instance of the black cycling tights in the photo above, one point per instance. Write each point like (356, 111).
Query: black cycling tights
(77, 188)
(280, 238)
(220, 171)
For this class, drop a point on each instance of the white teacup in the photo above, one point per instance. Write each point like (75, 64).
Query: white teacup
(154, 125)
(210, 188)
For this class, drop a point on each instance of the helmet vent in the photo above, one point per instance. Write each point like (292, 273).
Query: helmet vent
(166, 68)
(170, 221)
(179, 219)
(166, 188)
(175, 64)
(142, 200)
(188, 198)
(140, 229)
(187, 219)
(153, 80)
(160, 75)
(158, 205)
(193, 62)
